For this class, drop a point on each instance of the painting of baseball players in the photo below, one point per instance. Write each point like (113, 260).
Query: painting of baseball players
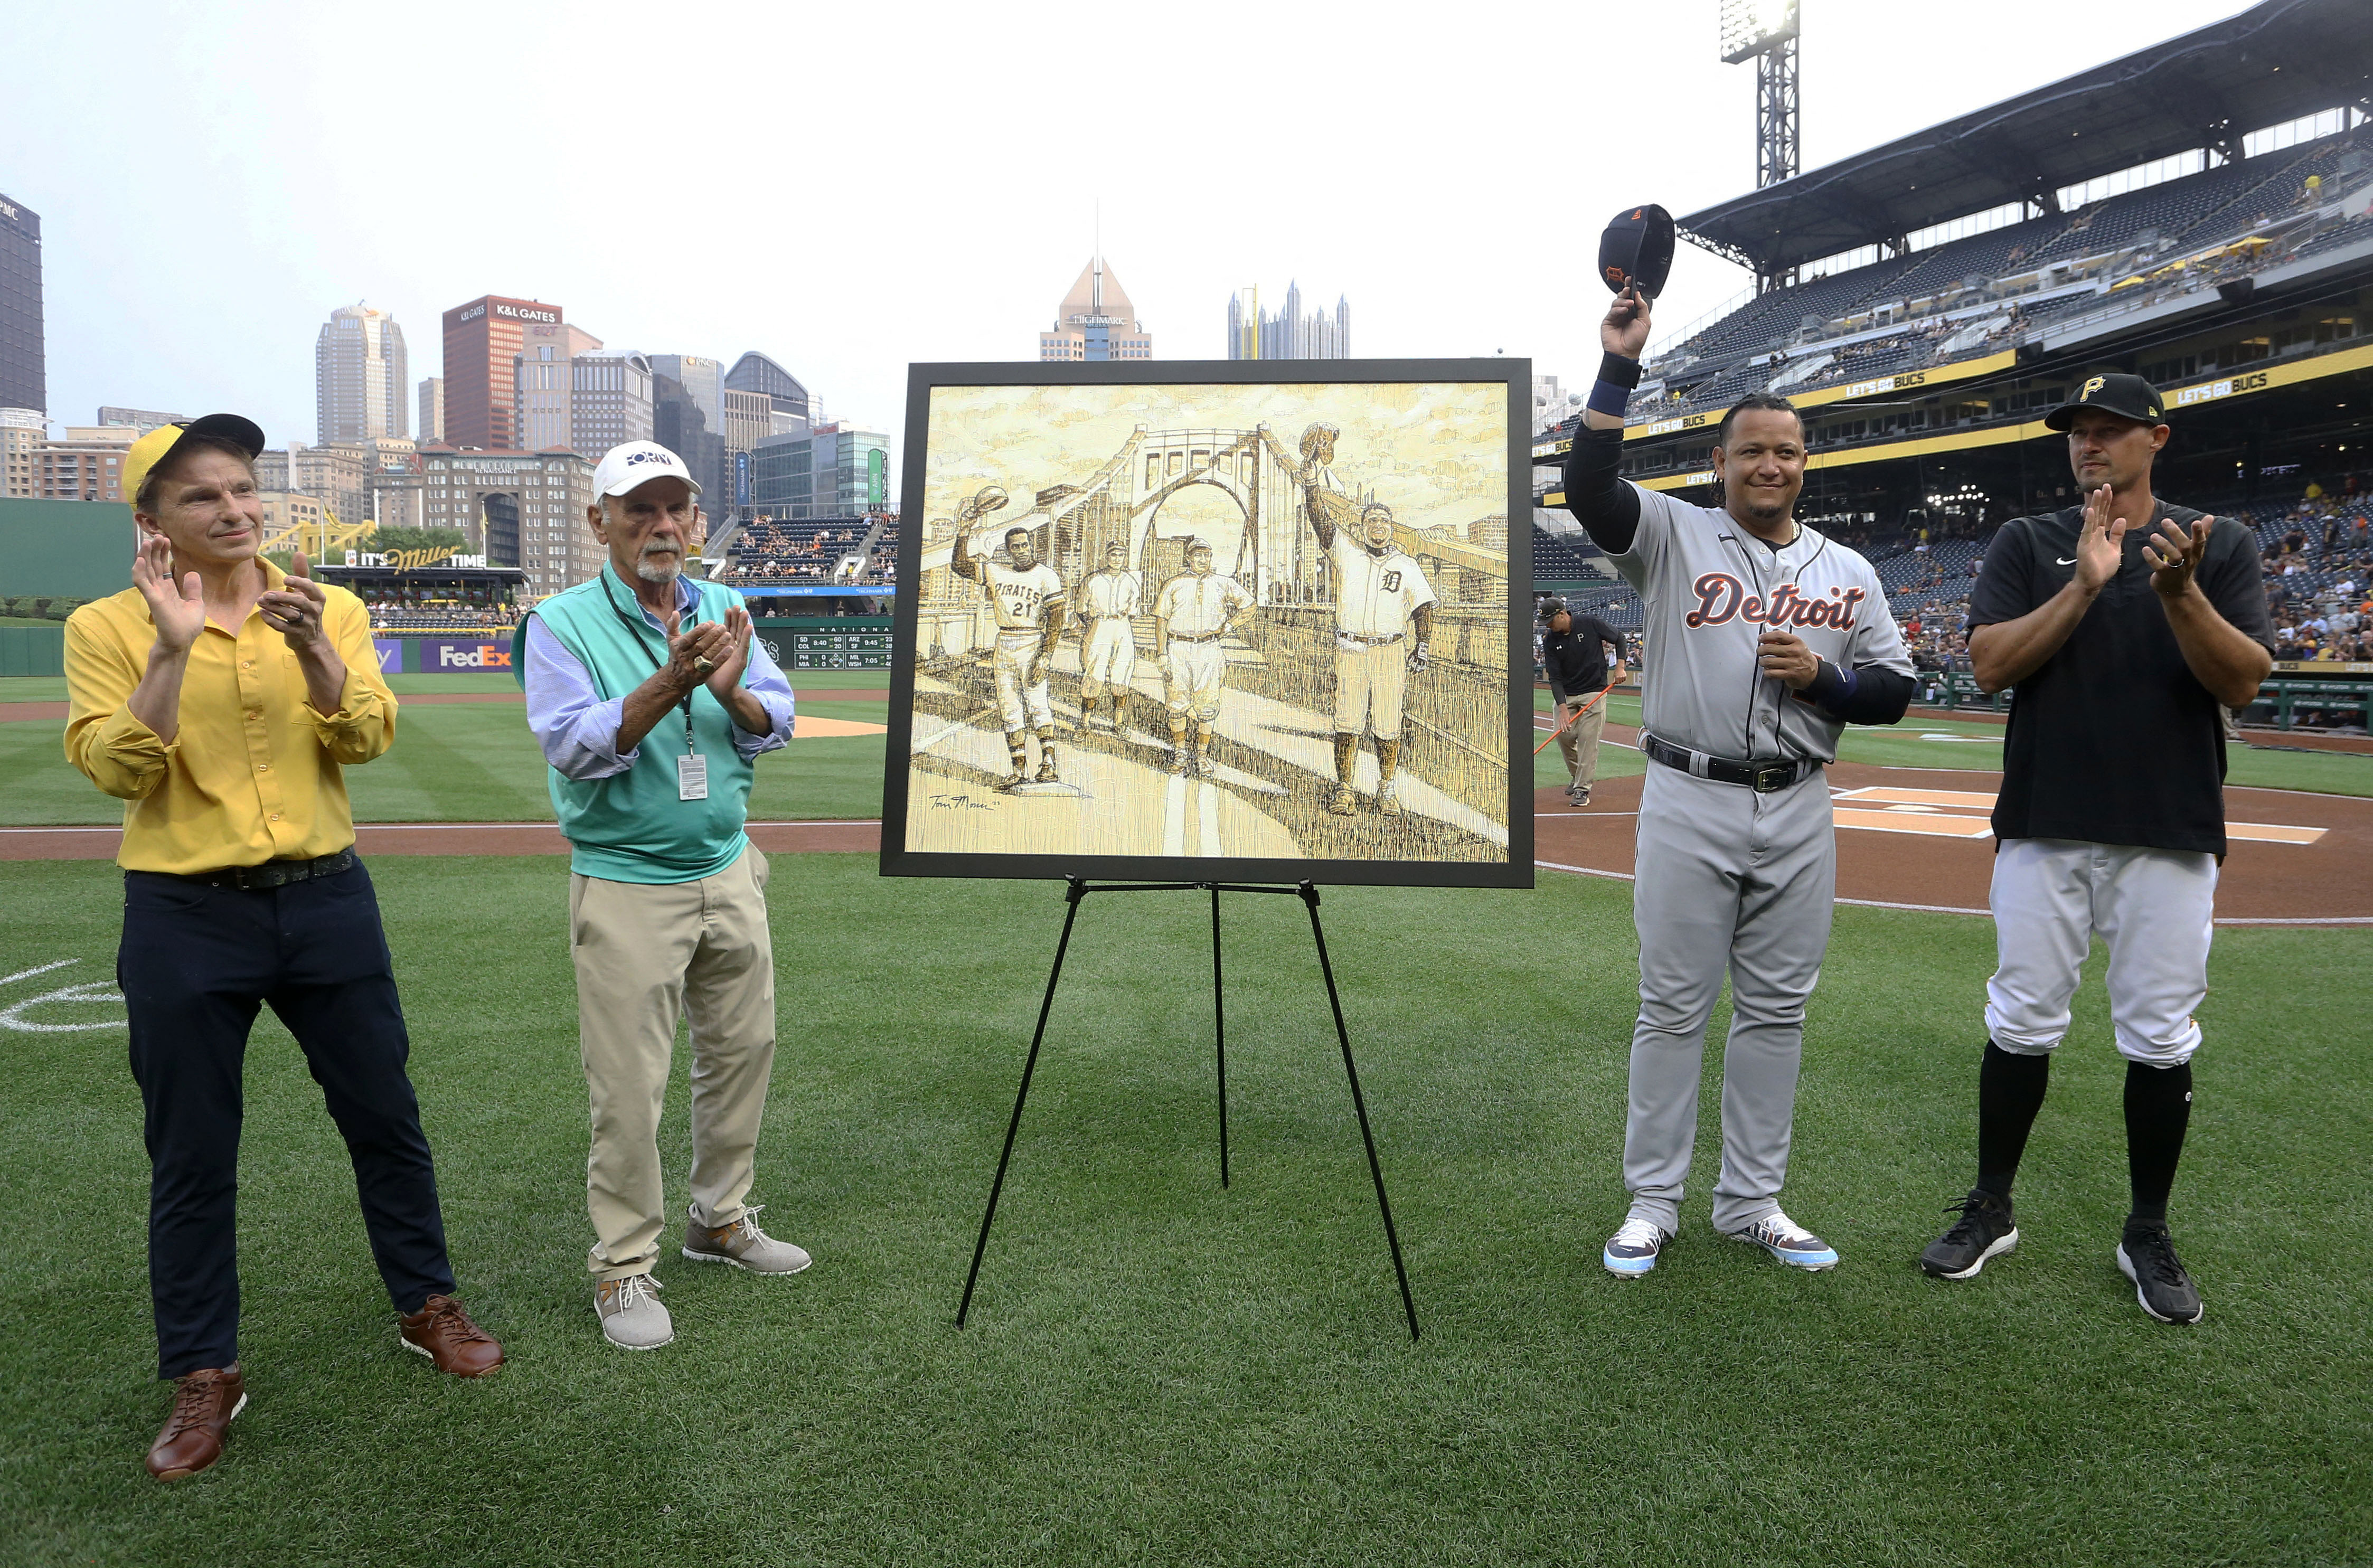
(1259, 621)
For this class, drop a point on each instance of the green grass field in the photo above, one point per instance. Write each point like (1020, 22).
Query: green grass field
(1160, 1371)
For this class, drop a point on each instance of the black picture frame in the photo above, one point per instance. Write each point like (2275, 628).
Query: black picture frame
(1517, 871)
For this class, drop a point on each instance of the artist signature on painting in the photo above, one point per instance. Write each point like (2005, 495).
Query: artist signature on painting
(959, 803)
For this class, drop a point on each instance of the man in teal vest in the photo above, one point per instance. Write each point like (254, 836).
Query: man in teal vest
(650, 701)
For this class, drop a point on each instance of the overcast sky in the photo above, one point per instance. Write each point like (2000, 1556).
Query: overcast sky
(851, 187)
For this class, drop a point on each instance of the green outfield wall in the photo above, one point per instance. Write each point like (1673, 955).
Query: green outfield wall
(64, 549)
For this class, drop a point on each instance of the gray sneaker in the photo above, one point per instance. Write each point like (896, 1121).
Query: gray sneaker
(743, 1245)
(632, 1317)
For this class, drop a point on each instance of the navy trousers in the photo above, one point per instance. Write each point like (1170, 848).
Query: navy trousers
(196, 963)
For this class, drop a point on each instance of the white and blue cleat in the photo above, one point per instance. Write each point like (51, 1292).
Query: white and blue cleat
(1634, 1250)
(1789, 1242)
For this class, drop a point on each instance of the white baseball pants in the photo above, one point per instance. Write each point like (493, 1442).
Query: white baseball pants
(1726, 878)
(1197, 671)
(1368, 683)
(1110, 656)
(2154, 908)
(1021, 669)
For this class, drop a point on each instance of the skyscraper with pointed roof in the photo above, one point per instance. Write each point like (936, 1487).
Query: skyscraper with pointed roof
(1096, 320)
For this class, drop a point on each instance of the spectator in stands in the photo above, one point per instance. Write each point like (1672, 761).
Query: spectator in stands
(667, 897)
(221, 698)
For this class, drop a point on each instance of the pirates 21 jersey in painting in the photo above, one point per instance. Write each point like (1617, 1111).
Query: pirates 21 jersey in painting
(1020, 596)
(1710, 589)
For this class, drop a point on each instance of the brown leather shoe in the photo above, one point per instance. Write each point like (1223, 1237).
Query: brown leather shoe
(204, 1403)
(442, 1331)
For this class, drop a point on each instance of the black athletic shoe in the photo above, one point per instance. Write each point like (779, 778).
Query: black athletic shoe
(1983, 1232)
(2148, 1257)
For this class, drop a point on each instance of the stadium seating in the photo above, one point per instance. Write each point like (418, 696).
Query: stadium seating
(1767, 338)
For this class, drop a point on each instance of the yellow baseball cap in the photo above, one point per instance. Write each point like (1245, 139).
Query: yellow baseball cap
(160, 443)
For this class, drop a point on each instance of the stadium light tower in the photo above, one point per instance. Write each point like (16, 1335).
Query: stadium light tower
(1765, 31)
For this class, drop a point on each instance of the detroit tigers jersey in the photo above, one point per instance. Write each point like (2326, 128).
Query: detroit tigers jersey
(1712, 589)
(1108, 593)
(1197, 606)
(1019, 596)
(1374, 595)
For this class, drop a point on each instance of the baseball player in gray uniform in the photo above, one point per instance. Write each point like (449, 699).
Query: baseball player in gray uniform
(1108, 601)
(1027, 597)
(1764, 639)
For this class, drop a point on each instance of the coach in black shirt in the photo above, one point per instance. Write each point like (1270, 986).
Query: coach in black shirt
(2123, 624)
(1573, 653)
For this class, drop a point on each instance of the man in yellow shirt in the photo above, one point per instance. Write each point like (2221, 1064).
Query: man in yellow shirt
(218, 698)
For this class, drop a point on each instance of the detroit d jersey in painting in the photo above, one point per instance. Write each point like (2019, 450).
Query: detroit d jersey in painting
(1710, 589)
(1375, 594)
(1019, 596)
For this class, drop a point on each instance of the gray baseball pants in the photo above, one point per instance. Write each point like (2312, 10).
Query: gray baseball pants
(1727, 880)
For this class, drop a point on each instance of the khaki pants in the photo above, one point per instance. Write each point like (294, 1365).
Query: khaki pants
(1579, 739)
(647, 953)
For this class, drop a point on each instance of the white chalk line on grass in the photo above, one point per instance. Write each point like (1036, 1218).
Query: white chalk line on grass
(90, 992)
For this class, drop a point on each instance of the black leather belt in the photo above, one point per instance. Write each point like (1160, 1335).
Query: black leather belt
(1763, 778)
(1370, 641)
(274, 873)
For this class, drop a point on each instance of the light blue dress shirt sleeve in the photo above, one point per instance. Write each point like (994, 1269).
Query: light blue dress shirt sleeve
(765, 680)
(578, 730)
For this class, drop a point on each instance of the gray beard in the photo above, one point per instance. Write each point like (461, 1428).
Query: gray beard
(649, 573)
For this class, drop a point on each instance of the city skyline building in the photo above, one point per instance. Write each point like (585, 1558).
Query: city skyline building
(360, 376)
(794, 409)
(518, 508)
(1096, 320)
(1289, 334)
(679, 424)
(22, 431)
(483, 339)
(702, 378)
(432, 409)
(24, 362)
(544, 379)
(610, 401)
(835, 471)
(141, 419)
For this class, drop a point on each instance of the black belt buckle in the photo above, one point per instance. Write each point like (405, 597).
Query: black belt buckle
(1773, 777)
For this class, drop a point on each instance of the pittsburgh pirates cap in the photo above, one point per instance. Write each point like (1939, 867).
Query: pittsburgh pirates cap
(1637, 248)
(160, 443)
(2128, 397)
(1552, 608)
(636, 463)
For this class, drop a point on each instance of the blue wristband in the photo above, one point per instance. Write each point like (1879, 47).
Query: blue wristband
(1606, 397)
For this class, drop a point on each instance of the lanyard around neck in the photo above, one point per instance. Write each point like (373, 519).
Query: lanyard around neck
(636, 626)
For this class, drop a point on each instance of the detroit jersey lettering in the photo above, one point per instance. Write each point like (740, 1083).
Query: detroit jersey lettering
(1710, 589)
(1375, 596)
(1018, 596)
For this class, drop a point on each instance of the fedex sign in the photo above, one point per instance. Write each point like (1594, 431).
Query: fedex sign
(443, 655)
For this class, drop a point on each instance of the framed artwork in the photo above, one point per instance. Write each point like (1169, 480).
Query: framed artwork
(1234, 620)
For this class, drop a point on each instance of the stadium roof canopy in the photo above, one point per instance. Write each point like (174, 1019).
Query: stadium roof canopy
(2276, 62)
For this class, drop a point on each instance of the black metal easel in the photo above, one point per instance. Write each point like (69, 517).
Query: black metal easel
(1078, 890)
